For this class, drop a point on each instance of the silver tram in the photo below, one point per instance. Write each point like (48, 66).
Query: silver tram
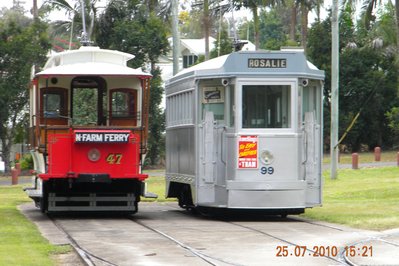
(244, 131)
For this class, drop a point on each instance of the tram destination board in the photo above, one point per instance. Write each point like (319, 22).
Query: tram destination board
(101, 137)
(267, 63)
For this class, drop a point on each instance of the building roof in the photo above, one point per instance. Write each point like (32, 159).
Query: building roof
(196, 46)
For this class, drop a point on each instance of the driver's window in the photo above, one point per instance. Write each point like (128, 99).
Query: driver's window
(53, 102)
(213, 99)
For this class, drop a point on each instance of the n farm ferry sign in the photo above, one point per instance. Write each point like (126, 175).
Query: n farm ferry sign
(101, 137)
(267, 63)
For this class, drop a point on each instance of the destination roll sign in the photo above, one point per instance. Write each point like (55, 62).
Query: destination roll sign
(101, 137)
(267, 63)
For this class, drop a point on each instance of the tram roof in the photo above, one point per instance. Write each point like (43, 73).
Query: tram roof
(89, 60)
(237, 64)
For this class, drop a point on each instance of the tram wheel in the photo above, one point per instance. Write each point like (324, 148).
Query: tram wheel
(185, 199)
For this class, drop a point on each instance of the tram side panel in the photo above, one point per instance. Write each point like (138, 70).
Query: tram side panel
(180, 146)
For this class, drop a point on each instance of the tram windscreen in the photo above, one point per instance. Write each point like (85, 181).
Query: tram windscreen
(266, 106)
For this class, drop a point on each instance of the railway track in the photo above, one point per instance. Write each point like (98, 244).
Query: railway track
(197, 239)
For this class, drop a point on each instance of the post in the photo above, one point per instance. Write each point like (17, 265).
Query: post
(18, 167)
(14, 176)
(175, 36)
(334, 89)
(397, 158)
(377, 154)
(355, 160)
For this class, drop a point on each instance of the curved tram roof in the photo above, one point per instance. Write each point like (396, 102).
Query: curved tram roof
(90, 61)
(238, 64)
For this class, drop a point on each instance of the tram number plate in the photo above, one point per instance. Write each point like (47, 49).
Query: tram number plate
(267, 170)
(114, 158)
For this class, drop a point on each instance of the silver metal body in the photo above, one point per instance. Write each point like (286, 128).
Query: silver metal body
(244, 131)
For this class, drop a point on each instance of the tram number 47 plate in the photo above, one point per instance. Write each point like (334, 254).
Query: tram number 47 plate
(267, 170)
(114, 158)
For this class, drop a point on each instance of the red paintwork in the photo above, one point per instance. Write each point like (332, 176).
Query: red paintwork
(67, 159)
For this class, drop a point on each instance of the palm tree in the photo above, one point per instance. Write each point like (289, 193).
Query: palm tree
(253, 5)
(368, 8)
(75, 23)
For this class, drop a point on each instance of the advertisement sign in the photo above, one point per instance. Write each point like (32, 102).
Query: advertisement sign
(248, 152)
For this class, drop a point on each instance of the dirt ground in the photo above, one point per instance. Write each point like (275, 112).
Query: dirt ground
(68, 259)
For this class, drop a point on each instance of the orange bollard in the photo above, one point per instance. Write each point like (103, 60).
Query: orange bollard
(377, 154)
(14, 176)
(355, 161)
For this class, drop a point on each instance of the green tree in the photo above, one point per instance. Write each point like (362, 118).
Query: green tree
(222, 46)
(73, 26)
(130, 27)
(23, 43)
(271, 29)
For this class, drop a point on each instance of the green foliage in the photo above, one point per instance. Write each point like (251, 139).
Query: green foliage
(368, 82)
(156, 141)
(272, 35)
(226, 45)
(27, 162)
(23, 43)
(130, 27)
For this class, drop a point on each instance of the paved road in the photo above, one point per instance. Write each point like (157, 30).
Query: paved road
(163, 234)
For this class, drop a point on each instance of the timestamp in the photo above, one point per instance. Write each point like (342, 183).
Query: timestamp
(362, 251)
(323, 251)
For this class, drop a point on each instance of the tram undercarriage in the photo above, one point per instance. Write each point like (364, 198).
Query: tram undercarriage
(64, 195)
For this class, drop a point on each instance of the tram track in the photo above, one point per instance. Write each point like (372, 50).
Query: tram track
(341, 258)
(207, 257)
(86, 256)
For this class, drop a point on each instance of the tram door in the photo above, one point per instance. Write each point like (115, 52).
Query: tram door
(88, 103)
(211, 140)
(312, 141)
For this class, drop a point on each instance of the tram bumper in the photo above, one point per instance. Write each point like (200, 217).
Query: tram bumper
(266, 195)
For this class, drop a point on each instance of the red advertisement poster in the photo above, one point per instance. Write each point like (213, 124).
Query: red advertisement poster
(247, 152)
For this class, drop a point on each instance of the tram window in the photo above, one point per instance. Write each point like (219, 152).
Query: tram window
(53, 102)
(266, 106)
(124, 103)
(310, 102)
(213, 101)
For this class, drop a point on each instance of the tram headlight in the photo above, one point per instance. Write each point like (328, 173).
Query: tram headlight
(266, 157)
(94, 155)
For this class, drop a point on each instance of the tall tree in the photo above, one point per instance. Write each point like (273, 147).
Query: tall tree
(368, 8)
(74, 25)
(129, 27)
(23, 43)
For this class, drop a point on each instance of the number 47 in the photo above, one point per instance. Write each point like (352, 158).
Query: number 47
(114, 158)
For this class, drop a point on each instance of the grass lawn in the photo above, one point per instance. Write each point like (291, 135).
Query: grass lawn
(367, 198)
(20, 241)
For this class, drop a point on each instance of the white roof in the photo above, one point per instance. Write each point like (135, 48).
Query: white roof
(197, 46)
(90, 61)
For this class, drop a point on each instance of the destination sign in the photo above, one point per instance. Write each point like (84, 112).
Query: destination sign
(267, 63)
(101, 137)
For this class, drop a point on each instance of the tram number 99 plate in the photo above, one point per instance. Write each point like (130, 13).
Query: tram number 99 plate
(267, 170)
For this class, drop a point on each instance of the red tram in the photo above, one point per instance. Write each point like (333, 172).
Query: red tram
(88, 132)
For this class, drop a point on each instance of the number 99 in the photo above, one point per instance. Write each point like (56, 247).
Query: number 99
(267, 170)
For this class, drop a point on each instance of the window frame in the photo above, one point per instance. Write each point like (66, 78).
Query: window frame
(132, 110)
(293, 92)
(63, 93)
